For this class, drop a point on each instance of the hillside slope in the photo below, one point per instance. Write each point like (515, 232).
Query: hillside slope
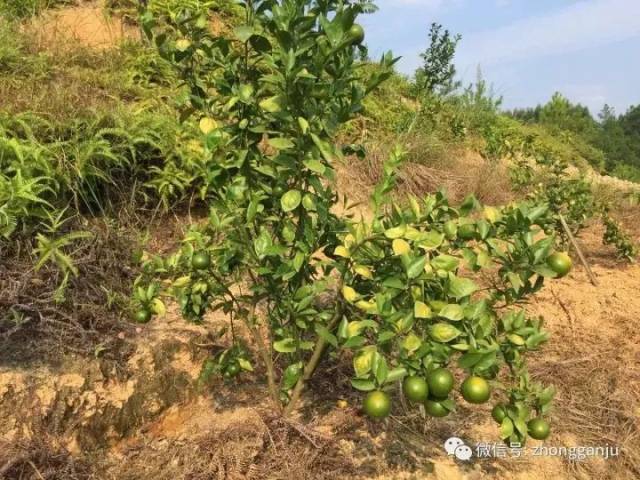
(128, 402)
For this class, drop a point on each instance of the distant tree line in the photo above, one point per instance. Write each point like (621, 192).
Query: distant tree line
(617, 136)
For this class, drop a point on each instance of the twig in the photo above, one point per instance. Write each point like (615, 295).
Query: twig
(578, 250)
(305, 432)
(35, 469)
(566, 310)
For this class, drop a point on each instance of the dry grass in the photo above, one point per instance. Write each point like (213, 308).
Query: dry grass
(59, 77)
(428, 168)
(36, 326)
(41, 458)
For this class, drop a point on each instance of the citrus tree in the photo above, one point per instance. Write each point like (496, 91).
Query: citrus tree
(417, 293)
(569, 196)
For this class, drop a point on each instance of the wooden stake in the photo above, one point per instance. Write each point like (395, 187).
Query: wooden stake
(573, 241)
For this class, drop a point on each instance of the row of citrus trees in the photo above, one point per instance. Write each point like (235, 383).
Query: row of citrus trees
(543, 177)
(421, 292)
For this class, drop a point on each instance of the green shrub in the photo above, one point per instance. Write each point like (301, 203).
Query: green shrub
(389, 292)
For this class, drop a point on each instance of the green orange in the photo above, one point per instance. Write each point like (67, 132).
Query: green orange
(201, 260)
(415, 389)
(435, 408)
(560, 262)
(475, 389)
(356, 34)
(232, 370)
(377, 404)
(539, 428)
(142, 316)
(440, 383)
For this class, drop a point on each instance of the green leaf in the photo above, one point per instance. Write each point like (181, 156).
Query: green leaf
(326, 335)
(363, 385)
(521, 426)
(315, 166)
(290, 200)
(546, 395)
(506, 428)
(343, 328)
(515, 280)
(470, 359)
(396, 374)
(324, 147)
(245, 364)
(291, 375)
(452, 312)
(261, 244)
(431, 241)
(444, 332)
(395, 232)
(281, 143)
(382, 371)
(416, 267)
(445, 262)
(461, 287)
(304, 125)
(244, 32)
(286, 345)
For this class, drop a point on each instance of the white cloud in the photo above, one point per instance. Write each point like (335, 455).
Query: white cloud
(582, 25)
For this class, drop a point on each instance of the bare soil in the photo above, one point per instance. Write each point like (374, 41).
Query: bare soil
(85, 24)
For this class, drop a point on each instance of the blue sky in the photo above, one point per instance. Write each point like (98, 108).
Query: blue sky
(587, 49)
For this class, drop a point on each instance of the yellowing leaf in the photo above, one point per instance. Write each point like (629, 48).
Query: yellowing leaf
(395, 232)
(341, 251)
(349, 294)
(412, 233)
(363, 271)
(421, 310)
(208, 125)
(290, 200)
(353, 329)
(271, 104)
(157, 307)
(304, 125)
(492, 214)
(411, 342)
(400, 247)
(181, 282)
(443, 332)
(183, 44)
(363, 362)
(367, 306)
(349, 240)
